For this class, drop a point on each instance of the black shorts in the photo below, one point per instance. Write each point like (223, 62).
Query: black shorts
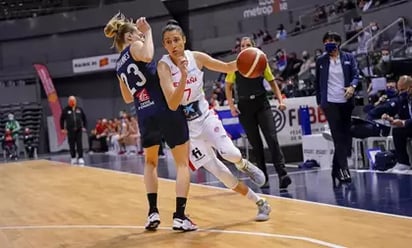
(171, 126)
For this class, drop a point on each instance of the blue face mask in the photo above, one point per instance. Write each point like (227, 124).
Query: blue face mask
(330, 47)
(391, 93)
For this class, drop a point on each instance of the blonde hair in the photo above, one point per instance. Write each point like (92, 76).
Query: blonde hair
(116, 28)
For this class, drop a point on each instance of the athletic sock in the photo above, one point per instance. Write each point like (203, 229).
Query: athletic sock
(251, 195)
(180, 207)
(152, 197)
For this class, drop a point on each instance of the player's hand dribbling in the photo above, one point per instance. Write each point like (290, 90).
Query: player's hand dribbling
(142, 25)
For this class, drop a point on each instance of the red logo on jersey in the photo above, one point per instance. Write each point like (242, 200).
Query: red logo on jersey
(191, 80)
(143, 95)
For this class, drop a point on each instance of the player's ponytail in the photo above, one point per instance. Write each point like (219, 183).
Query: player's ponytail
(172, 25)
(115, 29)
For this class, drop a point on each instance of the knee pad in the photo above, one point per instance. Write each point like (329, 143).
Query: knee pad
(229, 151)
(221, 172)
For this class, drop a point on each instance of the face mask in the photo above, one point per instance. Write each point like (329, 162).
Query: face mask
(330, 47)
(374, 28)
(385, 58)
(11, 117)
(391, 93)
(305, 57)
(72, 103)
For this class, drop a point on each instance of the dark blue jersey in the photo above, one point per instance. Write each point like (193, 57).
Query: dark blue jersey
(143, 83)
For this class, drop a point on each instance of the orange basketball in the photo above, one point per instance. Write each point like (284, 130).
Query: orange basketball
(251, 62)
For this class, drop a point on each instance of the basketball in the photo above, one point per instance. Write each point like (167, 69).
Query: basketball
(251, 62)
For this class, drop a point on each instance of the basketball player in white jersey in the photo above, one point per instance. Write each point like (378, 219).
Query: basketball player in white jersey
(206, 131)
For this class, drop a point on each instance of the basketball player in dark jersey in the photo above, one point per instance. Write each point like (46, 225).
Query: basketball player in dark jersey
(139, 83)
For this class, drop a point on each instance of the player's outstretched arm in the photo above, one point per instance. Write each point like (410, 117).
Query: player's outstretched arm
(205, 60)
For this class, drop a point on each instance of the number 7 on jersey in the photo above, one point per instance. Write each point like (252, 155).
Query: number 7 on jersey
(189, 92)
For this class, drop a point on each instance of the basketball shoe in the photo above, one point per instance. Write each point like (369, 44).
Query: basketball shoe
(183, 224)
(255, 174)
(264, 210)
(153, 221)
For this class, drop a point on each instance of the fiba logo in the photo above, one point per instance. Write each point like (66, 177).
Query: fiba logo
(280, 119)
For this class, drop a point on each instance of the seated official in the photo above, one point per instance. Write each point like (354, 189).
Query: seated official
(402, 127)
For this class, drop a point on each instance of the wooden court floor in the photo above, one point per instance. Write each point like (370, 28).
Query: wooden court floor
(51, 204)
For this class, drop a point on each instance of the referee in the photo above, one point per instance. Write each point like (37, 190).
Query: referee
(73, 122)
(254, 111)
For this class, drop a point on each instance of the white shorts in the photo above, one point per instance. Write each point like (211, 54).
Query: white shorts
(206, 134)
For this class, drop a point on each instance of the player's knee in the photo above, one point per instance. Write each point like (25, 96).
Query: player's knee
(231, 153)
(151, 162)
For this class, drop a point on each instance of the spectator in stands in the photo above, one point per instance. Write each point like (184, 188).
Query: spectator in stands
(267, 38)
(29, 142)
(318, 52)
(298, 27)
(9, 144)
(99, 134)
(292, 67)
(365, 5)
(320, 14)
(380, 41)
(132, 137)
(236, 49)
(254, 111)
(213, 102)
(281, 33)
(402, 130)
(220, 93)
(363, 38)
(336, 79)
(384, 66)
(14, 126)
(73, 123)
(308, 63)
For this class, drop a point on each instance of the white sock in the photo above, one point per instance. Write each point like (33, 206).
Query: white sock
(251, 195)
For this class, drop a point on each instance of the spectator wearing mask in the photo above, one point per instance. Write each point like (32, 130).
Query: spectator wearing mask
(402, 127)
(73, 123)
(384, 67)
(388, 104)
(379, 41)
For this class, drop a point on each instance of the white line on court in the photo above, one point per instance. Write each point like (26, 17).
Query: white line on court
(266, 195)
(260, 234)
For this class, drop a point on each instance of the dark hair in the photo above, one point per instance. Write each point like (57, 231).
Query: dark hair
(332, 36)
(170, 26)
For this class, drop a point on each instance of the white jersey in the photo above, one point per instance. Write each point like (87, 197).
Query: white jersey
(194, 101)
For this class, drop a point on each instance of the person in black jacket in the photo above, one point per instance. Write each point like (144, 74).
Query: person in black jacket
(73, 122)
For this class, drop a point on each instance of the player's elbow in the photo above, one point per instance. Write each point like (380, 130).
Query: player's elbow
(173, 106)
(147, 58)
